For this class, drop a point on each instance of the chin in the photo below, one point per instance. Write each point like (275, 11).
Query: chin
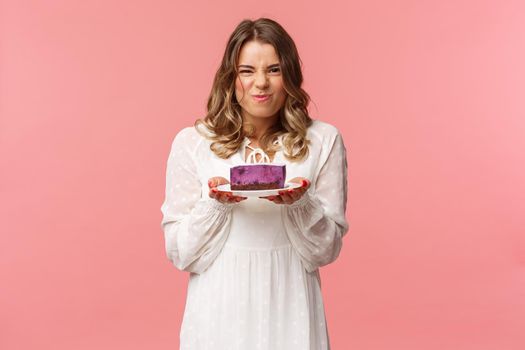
(263, 115)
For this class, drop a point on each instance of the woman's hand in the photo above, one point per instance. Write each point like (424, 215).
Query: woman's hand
(291, 195)
(222, 196)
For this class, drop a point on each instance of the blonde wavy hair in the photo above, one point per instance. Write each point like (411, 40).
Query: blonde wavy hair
(224, 120)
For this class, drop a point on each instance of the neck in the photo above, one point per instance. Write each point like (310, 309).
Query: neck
(261, 124)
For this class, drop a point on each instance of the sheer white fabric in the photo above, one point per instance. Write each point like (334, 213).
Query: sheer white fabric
(254, 281)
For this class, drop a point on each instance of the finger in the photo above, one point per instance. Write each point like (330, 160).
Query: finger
(213, 193)
(223, 196)
(213, 182)
(268, 197)
(296, 193)
(275, 199)
(235, 196)
(234, 199)
(303, 186)
(217, 181)
(278, 200)
(286, 198)
(216, 194)
(302, 181)
(230, 198)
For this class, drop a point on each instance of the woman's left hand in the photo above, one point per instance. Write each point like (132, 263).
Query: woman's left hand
(291, 195)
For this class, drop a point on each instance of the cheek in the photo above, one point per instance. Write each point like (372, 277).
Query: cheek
(281, 91)
(239, 91)
(279, 87)
(239, 85)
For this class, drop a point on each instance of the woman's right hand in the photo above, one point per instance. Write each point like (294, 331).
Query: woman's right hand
(222, 196)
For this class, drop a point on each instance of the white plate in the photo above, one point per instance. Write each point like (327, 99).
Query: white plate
(258, 193)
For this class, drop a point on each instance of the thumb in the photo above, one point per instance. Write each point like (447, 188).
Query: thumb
(304, 182)
(216, 181)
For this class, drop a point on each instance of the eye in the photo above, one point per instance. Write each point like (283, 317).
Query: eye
(275, 70)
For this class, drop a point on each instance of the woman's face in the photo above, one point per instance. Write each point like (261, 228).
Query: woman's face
(259, 74)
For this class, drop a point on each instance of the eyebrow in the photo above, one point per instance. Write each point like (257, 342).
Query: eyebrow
(248, 66)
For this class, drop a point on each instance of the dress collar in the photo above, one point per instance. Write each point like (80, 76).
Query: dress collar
(247, 141)
(241, 153)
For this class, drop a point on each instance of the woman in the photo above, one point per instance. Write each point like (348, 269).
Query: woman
(253, 262)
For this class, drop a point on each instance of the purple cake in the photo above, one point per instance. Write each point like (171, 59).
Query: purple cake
(257, 177)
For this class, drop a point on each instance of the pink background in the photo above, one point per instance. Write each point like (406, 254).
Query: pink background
(429, 96)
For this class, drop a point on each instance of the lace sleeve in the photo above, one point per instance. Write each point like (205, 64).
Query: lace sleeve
(316, 223)
(195, 228)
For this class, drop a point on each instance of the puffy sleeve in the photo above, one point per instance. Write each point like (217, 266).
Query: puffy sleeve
(195, 228)
(316, 223)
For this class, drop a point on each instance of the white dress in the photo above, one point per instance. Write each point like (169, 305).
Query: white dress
(254, 280)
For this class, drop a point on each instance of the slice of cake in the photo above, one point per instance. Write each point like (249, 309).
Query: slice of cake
(257, 177)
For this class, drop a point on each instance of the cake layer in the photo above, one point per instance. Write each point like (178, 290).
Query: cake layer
(257, 177)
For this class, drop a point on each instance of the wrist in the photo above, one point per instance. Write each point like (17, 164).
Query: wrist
(301, 202)
(216, 205)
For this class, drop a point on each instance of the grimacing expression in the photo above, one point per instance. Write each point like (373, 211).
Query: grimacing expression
(259, 74)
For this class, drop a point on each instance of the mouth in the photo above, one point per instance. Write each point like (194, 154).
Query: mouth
(261, 98)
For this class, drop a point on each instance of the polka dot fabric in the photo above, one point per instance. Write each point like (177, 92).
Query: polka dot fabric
(254, 279)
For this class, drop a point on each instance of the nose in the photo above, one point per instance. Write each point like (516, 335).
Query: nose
(261, 80)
